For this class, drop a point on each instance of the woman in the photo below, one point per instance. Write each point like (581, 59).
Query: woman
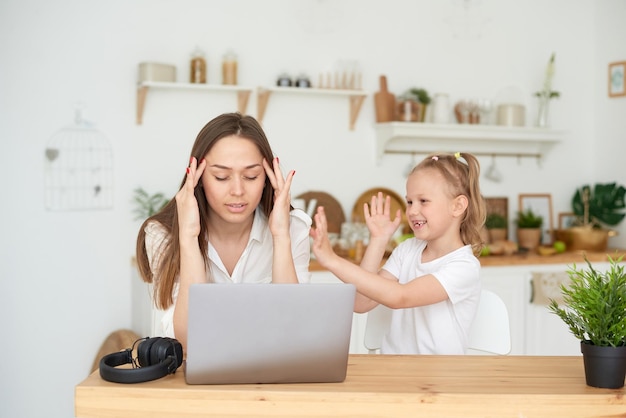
(230, 222)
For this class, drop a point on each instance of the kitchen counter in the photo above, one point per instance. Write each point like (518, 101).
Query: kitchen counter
(567, 257)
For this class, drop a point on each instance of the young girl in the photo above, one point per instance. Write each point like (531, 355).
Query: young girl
(432, 280)
(230, 222)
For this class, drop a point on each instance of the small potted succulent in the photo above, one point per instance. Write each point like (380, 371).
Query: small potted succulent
(497, 227)
(528, 229)
(594, 309)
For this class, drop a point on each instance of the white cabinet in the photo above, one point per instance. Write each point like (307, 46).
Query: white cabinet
(547, 334)
(535, 330)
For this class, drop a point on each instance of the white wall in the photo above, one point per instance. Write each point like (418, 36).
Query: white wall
(66, 275)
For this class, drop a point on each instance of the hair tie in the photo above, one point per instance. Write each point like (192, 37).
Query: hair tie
(457, 155)
(435, 158)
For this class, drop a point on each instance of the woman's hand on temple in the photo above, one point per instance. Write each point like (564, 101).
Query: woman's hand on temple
(186, 203)
(279, 218)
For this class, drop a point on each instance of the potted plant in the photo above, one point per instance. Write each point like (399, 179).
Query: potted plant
(147, 204)
(528, 229)
(409, 109)
(594, 209)
(595, 313)
(496, 225)
(423, 98)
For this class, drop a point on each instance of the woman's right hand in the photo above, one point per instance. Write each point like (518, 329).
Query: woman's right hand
(186, 203)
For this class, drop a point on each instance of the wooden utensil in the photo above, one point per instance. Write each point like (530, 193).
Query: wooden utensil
(334, 212)
(385, 102)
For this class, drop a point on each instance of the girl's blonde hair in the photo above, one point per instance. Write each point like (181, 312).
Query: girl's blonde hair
(462, 172)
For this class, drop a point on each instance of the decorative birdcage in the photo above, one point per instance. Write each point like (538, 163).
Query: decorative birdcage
(78, 164)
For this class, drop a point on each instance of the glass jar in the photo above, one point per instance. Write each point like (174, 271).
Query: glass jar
(197, 67)
(229, 69)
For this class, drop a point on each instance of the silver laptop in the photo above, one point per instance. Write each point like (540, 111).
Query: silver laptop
(268, 333)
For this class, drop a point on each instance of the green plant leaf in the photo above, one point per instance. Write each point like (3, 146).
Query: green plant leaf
(595, 304)
(146, 204)
(528, 219)
(421, 94)
(495, 220)
(606, 204)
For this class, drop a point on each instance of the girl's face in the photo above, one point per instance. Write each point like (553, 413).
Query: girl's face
(430, 208)
(234, 178)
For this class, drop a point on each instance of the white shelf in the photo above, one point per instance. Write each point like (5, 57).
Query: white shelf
(243, 93)
(426, 138)
(355, 97)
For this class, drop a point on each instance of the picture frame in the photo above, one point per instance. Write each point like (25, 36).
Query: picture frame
(541, 205)
(498, 205)
(617, 84)
(566, 219)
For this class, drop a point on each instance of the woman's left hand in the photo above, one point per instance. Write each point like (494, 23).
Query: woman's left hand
(279, 218)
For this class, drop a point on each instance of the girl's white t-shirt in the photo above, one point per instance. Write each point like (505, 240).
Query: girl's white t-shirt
(440, 328)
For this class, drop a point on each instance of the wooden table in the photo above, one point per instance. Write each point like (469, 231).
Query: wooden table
(376, 386)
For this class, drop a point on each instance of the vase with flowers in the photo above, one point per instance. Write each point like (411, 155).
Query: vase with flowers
(545, 95)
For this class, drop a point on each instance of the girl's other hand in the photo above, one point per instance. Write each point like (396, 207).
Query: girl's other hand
(321, 246)
(377, 218)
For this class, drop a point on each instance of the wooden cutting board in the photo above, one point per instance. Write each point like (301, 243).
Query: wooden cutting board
(385, 103)
(397, 202)
(334, 212)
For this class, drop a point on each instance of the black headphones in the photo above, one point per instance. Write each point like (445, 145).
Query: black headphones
(157, 357)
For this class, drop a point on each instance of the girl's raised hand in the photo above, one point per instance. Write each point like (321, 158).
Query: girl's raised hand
(186, 203)
(279, 218)
(321, 246)
(377, 218)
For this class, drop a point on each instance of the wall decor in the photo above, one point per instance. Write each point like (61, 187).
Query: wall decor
(498, 206)
(617, 86)
(566, 219)
(540, 204)
(78, 165)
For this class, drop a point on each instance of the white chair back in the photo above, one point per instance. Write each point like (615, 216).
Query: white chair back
(490, 332)
(377, 325)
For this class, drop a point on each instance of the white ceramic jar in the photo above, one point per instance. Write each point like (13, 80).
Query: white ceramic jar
(441, 108)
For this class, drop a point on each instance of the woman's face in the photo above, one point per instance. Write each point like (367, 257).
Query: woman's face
(234, 178)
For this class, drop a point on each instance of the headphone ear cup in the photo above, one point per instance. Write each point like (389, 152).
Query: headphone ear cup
(175, 350)
(161, 349)
(143, 352)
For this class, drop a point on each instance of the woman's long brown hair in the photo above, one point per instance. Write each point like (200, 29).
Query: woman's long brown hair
(166, 273)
